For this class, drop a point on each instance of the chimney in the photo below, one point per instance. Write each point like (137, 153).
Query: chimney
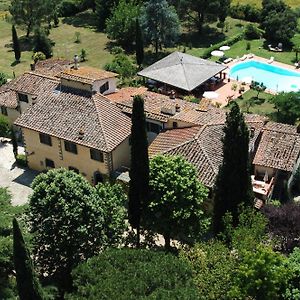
(33, 100)
(177, 107)
(81, 134)
(76, 61)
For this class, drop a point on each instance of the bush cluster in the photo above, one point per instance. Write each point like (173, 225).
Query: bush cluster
(245, 12)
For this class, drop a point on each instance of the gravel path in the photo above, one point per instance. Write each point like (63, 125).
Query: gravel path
(17, 179)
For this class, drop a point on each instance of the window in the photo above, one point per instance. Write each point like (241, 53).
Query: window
(175, 125)
(23, 98)
(152, 127)
(45, 139)
(74, 169)
(4, 110)
(49, 163)
(71, 147)
(96, 155)
(104, 87)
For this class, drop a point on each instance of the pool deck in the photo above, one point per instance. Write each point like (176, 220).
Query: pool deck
(225, 88)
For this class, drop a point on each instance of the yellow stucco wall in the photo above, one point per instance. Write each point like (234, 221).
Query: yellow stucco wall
(38, 152)
(121, 155)
(12, 114)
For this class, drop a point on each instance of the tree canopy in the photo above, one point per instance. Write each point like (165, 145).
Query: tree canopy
(121, 25)
(160, 24)
(175, 207)
(68, 221)
(133, 274)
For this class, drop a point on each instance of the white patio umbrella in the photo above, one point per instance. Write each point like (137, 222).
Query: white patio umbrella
(217, 53)
(210, 95)
(224, 48)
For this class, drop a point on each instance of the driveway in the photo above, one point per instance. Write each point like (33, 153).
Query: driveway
(17, 179)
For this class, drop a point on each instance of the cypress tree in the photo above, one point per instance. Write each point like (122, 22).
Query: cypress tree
(233, 184)
(139, 44)
(27, 283)
(16, 44)
(139, 172)
(14, 141)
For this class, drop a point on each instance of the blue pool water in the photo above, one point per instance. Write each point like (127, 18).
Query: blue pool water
(274, 78)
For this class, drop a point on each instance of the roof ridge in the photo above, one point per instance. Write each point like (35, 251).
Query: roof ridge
(99, 116)
(36, 73)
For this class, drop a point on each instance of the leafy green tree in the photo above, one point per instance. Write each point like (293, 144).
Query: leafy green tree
(213, 267)
(139, 171)
(123, 65)
(278, 21)
(130, 274)
(160, 24)
(139, 43)
(121, 25)
(67, 217)
(233, 184)
(16, 44)
(293, 264)
(27, 283)
(42, 43)
(28, 13)
(287, 106)
(258, 87)
(261, 274)
(175, 207)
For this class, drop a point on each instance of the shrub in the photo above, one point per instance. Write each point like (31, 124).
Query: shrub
(4, 127)
(77, 37)
(252, 32)
(245, 12)
(21, 160)
(83, 55)
(229, 42)
(42, 43)
(68, 8)
(38, 56)
(3, 78)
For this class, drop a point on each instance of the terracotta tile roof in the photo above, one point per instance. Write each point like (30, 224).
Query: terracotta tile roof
(66, 113)
(86, 74)
(155, 104)
(200, 145)
(31, 83)
(52, 66)
(279, 147)
(9, 99)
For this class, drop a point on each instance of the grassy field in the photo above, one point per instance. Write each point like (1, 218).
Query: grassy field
(63, 37)
(292, 3)
(259, 106)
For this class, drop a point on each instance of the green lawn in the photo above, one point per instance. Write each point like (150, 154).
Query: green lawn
(95, 43)
(260, 106)
(292, 3)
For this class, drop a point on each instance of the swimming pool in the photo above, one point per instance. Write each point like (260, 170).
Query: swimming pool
(274, 78)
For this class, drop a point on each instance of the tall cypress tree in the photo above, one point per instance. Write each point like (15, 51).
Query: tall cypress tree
(16, 44)
(139, 172)
(233, 184)
(139, 44)
(27, 283)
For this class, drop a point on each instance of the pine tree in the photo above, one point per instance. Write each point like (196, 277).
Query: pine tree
(27, 283)
(233, 183)
(139, 44)
(16, 44)
(139, 172)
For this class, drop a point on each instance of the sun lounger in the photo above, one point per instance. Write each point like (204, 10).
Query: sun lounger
(244, 57)
(228, 60)
(270, 60)
(250, 55)
(297, 65)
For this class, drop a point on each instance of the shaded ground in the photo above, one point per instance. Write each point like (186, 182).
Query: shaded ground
(17, 179)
